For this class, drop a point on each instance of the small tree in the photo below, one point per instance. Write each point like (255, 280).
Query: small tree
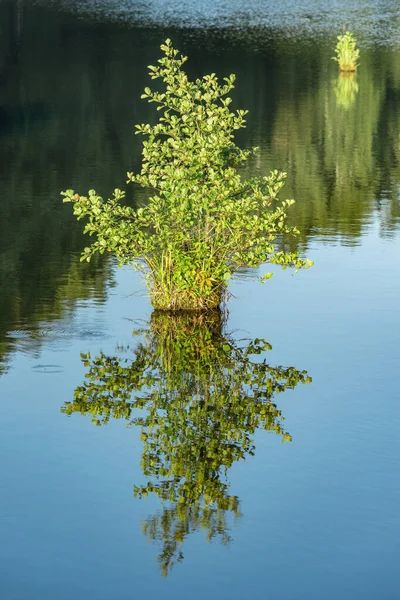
(202, 222)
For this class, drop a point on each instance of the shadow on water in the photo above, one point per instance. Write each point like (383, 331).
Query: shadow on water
(198, 395)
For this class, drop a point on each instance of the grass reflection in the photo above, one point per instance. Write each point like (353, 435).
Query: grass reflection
(198, 396)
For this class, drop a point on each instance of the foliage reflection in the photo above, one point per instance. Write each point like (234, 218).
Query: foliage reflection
(201, 396)
(346, 90)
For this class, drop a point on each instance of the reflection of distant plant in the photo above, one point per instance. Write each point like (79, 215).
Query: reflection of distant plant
(205, 395)
(346, 89)
(347, 53)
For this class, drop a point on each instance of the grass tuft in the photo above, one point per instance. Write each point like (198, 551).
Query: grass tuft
(347, 53)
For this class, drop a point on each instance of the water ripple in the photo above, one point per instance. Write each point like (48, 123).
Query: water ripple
(375, 21)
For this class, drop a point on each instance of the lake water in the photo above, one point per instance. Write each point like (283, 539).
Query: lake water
(200, 487)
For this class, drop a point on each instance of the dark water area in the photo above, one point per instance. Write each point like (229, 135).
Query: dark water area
(135, 446)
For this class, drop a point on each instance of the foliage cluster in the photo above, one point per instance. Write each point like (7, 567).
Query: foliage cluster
(198, 397)
(202, 221)
(347, 53)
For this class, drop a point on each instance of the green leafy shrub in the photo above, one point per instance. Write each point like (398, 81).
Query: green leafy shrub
(347, 53)
(202, 222)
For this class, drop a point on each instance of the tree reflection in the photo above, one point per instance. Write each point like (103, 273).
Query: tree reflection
(201, 396)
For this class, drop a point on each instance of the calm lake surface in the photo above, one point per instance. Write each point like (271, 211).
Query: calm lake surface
(200, 487)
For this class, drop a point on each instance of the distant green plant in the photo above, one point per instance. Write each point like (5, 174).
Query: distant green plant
(202, 222)
(198, 397)
(346, 89)
(347, 53)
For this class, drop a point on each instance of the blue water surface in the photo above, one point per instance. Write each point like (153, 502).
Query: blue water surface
(319, 515)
